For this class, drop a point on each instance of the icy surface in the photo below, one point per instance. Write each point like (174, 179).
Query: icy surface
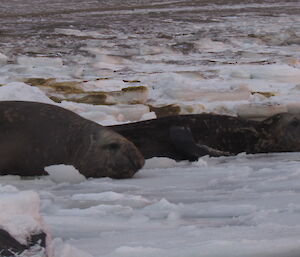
(229, 57)
(20, 213)
(246, 205)
(64, 173)
(20, 91)
(183, 57)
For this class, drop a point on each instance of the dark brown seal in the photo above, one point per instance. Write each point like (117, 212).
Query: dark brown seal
(187, 137)
(34, 135)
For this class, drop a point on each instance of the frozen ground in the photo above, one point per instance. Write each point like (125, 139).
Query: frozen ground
(233, 206)
(230, 57)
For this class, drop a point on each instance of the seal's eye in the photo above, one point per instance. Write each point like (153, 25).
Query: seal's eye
(112, 146)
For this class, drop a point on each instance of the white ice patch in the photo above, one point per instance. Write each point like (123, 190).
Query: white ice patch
(109, 62)
(272, 72)
(167, 163)
(19, 91)
(105, 196)
(162, 209)
(185, 88)
(148, 116)
(209, 45)
(159, 163)
(79, 33)
(64, 174)
(20, 213)
(66, 250)
(109, 115)
(138, 251)
(8, 189)
(35, 62)
(112, 197)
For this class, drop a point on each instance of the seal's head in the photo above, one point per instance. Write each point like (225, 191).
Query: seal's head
(110, 155)
(283, 132)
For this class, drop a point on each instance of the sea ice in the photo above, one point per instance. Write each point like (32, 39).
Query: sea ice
(40, 62)
(240, 59)
(20, 91)
(20, 214)
(64, 173)
(273, 72)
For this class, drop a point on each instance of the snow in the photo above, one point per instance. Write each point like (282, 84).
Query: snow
(67, 173)
(20, 91)
(39, 62)
(66, 250)
(20, 213)
(229, 206)
(218, 58)
(272, 72)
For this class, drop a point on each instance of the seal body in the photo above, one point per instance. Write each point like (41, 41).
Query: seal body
(187, 137)
(279, 133)
(179, 137)
(34, 135)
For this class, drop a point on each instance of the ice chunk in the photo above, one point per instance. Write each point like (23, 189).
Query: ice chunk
(209, 45)
(105, 196)
(128, 251)
(20, 213)
(66, 250)
(148, 116)
(64, 173)
(272, 72)
(184, 88)
(40, 61)
(24, 92)
(116, 198)
(159, 163)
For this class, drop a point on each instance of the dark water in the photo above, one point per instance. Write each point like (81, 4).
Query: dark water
(28, 26)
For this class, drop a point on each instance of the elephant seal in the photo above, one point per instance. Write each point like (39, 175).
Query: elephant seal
(34, 135)
(279, 133)
(188, 137)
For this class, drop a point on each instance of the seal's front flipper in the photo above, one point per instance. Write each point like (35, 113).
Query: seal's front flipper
(183, 140)
(212, 151)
